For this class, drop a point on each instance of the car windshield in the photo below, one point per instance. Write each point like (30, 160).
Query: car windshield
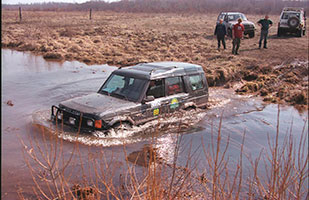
(221, 16)
(234, 17)
(123, 87)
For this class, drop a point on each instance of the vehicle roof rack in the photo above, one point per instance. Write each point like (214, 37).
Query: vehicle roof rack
(168, 69)
(293, 9)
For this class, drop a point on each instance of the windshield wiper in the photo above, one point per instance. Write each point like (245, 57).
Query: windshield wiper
(104, 92)
(120, 95)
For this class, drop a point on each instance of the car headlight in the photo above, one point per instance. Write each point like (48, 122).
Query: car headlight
(72, 120)
(89, 122)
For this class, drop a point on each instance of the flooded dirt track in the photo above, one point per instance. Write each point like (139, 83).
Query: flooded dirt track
(30, 85)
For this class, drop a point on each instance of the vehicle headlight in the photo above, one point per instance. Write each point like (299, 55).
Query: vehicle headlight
(72, 120)
(60, 115)
(89, 122)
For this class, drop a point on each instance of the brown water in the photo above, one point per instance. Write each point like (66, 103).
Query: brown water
(33, 85)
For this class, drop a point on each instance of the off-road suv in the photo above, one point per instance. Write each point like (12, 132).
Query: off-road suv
(292, 20)
(137, 94)
(230, 18)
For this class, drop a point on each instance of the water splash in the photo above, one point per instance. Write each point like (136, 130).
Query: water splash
(178, 122)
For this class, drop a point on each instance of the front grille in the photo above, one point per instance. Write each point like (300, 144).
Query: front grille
(80, 120)
(248, 26)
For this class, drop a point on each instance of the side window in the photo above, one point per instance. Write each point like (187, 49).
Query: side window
(156, 88)
(285, 16)
(196, 82)
(174, 85)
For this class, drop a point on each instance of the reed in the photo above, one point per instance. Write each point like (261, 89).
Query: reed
(58, 176)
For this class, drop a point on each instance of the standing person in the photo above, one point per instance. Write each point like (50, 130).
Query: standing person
(265, 24)
(220, 31)
(237, 33)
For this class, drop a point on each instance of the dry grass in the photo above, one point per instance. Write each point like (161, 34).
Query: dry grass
(59, 176)
(279, 73)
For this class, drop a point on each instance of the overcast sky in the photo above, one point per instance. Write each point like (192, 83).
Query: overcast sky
(41, 1)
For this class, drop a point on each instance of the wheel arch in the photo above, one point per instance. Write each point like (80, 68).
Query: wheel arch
(121, 119)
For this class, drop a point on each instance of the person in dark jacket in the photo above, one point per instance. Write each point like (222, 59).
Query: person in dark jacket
(220, 32)
(265, 24)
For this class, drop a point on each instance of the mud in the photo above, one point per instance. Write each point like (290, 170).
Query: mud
(123, 39)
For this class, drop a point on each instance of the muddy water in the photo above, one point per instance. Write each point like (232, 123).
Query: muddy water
(30, 85)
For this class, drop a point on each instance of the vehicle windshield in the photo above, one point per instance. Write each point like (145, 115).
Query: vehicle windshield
(234, 17)
(123, 87)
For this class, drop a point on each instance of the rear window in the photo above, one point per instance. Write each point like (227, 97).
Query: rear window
(289, 14)
(196, 82)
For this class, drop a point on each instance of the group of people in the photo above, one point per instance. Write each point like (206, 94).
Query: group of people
(237, 33)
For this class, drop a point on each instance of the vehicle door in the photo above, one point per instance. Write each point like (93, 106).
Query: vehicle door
(151, 106)
(176, 94)
(225, 21)
(198, 89)
(168, 96)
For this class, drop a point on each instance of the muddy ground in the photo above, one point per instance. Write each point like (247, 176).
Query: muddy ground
(279, 74)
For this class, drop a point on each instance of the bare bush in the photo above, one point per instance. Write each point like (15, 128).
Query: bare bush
(56, 176)
(169, 6)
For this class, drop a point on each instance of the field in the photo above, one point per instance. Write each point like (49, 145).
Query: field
(279, 74)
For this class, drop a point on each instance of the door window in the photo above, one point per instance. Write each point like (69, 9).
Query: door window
(174, 85)
(156, 88)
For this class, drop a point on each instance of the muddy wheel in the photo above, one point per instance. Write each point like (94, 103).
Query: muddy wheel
(279, 32)
(251, 34)
(229, 32)
(300, 33)
(293, 22)
(122, 126)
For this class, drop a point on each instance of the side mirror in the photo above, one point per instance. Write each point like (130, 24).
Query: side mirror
(148, 99)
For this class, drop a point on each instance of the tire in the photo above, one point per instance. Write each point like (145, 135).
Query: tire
(122, 126)
(300, 33)
(293, 22)
(251, 34)
(279, 32)
(229, 32)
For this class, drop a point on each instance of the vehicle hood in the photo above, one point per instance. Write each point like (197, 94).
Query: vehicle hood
(98, 104)
(243, 22)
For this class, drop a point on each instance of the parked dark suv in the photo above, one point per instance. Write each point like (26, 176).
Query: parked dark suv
(135, 95)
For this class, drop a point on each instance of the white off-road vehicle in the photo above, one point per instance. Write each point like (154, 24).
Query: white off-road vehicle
(292, 20)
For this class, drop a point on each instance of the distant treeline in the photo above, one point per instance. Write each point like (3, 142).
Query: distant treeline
(169, 6)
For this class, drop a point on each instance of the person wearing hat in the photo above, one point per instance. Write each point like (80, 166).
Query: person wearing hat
(265, 24)
(237, 33)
